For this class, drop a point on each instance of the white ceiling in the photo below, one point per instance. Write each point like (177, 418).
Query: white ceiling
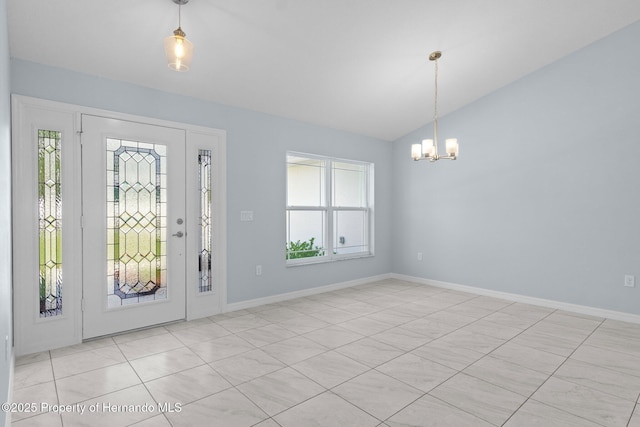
(355, 65)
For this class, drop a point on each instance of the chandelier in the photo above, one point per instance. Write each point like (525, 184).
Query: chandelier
(177, 47)
(428, 150)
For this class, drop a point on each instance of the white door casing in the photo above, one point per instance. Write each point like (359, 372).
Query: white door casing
(37, 334)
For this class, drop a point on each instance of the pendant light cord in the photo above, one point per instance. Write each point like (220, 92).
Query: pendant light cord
(435, 112)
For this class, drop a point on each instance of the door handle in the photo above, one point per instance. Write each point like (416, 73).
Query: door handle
(178, 234)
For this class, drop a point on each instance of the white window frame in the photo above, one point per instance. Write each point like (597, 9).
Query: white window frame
(329, 209)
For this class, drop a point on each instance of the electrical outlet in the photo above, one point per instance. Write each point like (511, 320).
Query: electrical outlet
(419, 256)
(258, 270)
(630, 281)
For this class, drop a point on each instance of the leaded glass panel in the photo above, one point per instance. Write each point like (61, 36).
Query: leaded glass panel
(204, 257)
(136, 222)
(49, 223)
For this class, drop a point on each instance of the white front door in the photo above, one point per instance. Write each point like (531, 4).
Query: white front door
(134, 225)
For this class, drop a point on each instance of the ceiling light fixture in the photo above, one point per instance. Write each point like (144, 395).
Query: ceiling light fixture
(177, 47)
(428, 150)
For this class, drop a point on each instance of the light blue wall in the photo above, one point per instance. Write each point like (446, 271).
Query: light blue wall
(5, 209)
(545, 198)
(256, 146)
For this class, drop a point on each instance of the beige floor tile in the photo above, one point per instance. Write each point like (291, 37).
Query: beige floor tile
(247, 366)
(401, 338)
(606, 358)
(294, 350)
(161, 364)
(365, 326)
(221, 348)
(242, 323)
(484, 400)
(139, 334)
(303, 324)
(536, 414)
(87, 385)
(34, 397)
(585, 402)
(204, 332)
(266, 335)
(228, 408)
(121, 408)
(370, 352)
(431, 412)
(280, 390)
(32, 374)
(187, 386)
(448, 354)
(529, 357)
(510, 376)
(47, 419)
(157, 421)
(147, 346)
(326, 410)
(330, 369)
(333, 336)
(85, 346)
(635, 418)
(602, 379)
(380, 345)
(418, 372)
(31, 358)
(378, 394)
(562, 346)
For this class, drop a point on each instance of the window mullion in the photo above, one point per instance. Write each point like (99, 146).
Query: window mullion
(329, 203)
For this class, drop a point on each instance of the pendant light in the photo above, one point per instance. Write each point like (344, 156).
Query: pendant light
(177, 47)
(428, 150)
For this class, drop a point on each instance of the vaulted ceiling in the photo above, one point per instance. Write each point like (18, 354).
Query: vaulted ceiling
(355, 65)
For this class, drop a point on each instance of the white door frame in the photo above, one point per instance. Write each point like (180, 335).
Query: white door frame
(33, 334)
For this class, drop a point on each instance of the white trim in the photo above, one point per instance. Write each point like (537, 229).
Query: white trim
(575, 308)
(304, 292)
(72, 333)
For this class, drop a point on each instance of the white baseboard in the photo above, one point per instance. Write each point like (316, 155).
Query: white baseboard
(303, 293)
(575, 308)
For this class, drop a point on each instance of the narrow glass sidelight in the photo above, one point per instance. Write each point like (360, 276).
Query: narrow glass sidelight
(136, 222)
(49, 223)
(204, 255)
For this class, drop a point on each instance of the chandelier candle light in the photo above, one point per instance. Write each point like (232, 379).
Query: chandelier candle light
(177, 47)
(428, 150)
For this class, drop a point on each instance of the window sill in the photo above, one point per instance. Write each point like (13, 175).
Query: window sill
(323, 260)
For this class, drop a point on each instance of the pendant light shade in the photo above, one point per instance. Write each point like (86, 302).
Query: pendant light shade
(178, 48)
(179, 51)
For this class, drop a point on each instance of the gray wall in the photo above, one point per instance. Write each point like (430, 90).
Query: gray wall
(545, 198)
(5, 209)
(256, 146)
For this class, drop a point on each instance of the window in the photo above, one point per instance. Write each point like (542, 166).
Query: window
(50, 223)
(329, 212)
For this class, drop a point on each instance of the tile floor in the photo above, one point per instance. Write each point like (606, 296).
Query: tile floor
(389, 353)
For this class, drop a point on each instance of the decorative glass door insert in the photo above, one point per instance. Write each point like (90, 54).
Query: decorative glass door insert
(136, 222)
(50, 223)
